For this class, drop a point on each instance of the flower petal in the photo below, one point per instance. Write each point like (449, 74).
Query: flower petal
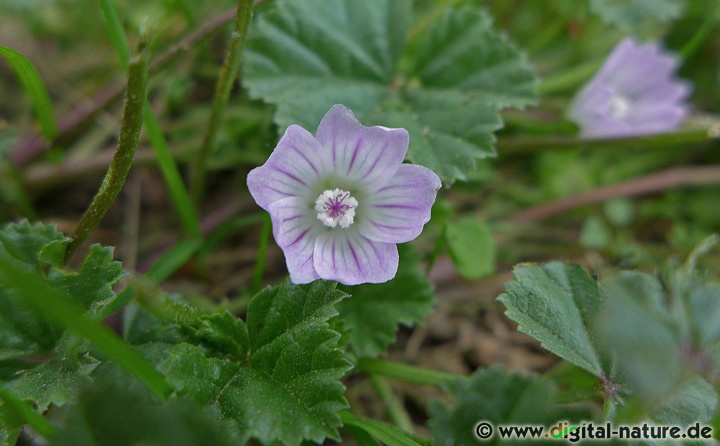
(590, 102)
(635, 92)
(296, 163)
(649, 120)
(359, 153)
(397, 211)
(351, 259)
(295, 231)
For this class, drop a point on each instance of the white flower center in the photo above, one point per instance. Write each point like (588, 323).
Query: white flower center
(619, 107)
(336, 207)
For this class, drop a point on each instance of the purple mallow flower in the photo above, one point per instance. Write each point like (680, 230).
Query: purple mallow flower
(635, 92)
(340, 201)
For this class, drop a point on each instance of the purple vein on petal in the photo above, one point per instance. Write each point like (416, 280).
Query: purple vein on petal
(390, 226)
(300, 237)
(333, 252)
(279, 191)
(310, 163)
(290, 176)
(285, 183)
(396, 206)
(377, 160)
(352, 250)
(355, 152)
(374, 249)
(294, 217)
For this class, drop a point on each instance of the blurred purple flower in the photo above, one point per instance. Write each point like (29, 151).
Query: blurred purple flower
(339, 202)
(635, 92)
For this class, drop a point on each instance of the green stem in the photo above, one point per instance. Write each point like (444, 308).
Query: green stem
(168, 168)
(702, 33)
(127, 143)
(39, 423)
(436, 250)
(228, 74)
(526, 145)
(262, 252)
(395, 409)
(60, 310)
(568, 79)
(404, 372)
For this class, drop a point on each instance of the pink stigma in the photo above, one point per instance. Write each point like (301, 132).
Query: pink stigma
(336, 207)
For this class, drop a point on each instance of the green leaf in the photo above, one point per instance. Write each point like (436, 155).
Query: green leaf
(446, 89)
(53, 382)
(11, 423)
(375, 311)
(460, 50)
(108, 413)
(643, 326)
(472, 248)
(704, 311)
(226, 333)
(24, 242)
(556, 303)
(92, 286)
(694, 401)
(492, 396)
(628, 15)
(40, 249)
(33, 291)
(619, 211)
(288, 388)
(595, 233)
(638, 329)
(34, 88)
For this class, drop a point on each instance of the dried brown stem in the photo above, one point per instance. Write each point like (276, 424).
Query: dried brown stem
(649, 184)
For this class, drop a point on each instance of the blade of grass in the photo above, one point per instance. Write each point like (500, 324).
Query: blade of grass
(62, 311)
(404, 372)
(228, 73)
(166, 163)
(115, 31)
(395, 410)
(232, 227)
(25, 412)
(122, 161)
(362, 436)
(386, 434)
(31, 146)
(568, 79)
(702, 32)
(171, 175)
(35, 89)
(173, 259)
(16, 190)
